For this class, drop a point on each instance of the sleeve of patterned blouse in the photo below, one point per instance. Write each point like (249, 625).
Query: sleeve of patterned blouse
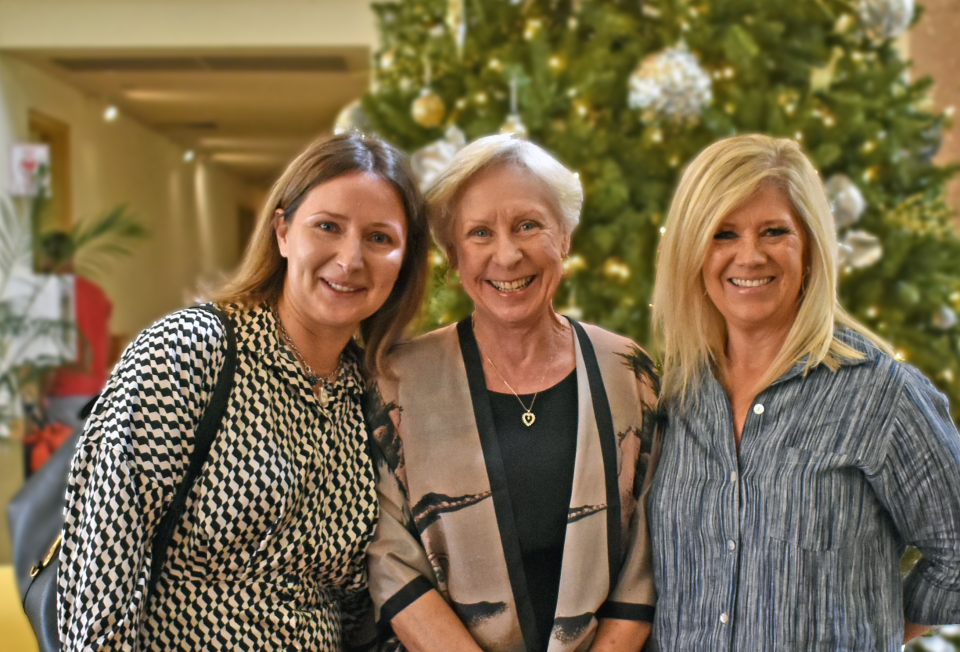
(128, 462)
(918, 481)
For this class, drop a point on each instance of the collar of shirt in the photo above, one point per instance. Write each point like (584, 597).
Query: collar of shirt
(267, 342)
(849, 337)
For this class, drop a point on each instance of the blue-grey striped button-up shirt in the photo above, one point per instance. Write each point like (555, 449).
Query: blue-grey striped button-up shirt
(794, 543)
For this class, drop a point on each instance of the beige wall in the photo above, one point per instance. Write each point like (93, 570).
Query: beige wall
(935, 52)
(190, 208)
(27, 24)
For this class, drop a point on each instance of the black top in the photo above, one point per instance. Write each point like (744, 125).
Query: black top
(539, 461)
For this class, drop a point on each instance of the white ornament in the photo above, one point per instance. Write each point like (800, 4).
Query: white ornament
(670, 84)
(846, 200)
(514, 125)
(859, 249)
(429, 162)
(944, 319)
(352, 118)
(886, 18)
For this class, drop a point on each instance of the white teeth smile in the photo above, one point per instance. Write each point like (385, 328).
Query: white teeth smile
(751, 283)
(513, 286)
(342, 288)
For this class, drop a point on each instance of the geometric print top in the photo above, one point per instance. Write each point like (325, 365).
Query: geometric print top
(793, 542)
(269, 554)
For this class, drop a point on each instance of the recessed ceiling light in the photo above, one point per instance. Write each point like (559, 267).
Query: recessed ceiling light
(189, 155)
(110, 113)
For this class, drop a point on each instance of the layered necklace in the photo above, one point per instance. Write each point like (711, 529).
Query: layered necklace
(528, 417)
(322, 386)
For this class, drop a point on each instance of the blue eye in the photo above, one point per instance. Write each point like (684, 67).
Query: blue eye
(481, 233)
(527, 226)
(724, 235)
(327, 226)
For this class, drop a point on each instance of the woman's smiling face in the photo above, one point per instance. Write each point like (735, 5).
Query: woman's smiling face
(344, 248)
(508, 245)
(753, 271)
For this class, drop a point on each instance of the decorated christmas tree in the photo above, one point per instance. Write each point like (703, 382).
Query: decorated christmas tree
(626, 93)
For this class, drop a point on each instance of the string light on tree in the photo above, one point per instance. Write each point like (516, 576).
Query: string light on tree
(616, 269)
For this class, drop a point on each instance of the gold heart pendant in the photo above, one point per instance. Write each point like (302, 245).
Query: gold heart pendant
(528, 418)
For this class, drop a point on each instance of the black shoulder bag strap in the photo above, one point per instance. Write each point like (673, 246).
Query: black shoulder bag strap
(40, 598)
(206, 433)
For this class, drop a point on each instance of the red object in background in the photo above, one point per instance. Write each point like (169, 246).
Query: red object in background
(44, 442)
(93, 310)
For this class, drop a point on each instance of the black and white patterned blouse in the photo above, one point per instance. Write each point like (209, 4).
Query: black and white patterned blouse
(793, 542)
(270, 552)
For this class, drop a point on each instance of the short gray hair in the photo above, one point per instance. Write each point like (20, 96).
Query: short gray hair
(563, 185)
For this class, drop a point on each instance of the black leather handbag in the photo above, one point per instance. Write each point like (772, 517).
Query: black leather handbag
(35, 498)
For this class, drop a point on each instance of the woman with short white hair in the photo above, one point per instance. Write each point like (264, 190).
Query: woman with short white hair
(512, 447)
(798, 457)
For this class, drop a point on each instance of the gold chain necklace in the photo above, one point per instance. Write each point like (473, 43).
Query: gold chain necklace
(528, 417)
(321, 385)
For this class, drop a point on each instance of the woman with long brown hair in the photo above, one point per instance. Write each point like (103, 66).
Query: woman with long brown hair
(269, 554)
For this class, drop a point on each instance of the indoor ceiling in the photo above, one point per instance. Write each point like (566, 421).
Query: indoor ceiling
(250, 111)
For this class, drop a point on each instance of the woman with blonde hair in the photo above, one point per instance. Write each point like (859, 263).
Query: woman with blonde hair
(269, 553)
(513, 446)
(798, 457)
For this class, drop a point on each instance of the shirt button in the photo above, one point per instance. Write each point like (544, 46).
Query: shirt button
(758, 408)
(724, 618)
(731, 545)
(733, 476)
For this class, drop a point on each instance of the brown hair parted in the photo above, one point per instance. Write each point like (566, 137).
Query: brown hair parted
(262, 271)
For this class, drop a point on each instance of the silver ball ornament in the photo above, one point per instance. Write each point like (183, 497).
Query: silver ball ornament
(846, 200)
(429, 162)
(859, 249)
(670, 84)
(886, 18)
(944, 318)
(352, 118)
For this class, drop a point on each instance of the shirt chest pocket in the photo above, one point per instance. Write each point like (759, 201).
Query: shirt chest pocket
(815, 500)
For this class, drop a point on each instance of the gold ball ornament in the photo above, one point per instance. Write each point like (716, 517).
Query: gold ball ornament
(428, 109)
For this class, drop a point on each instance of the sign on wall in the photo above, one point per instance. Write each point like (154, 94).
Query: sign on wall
(29, 169)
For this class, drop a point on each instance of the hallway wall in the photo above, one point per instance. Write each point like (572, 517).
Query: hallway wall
(189, 208)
